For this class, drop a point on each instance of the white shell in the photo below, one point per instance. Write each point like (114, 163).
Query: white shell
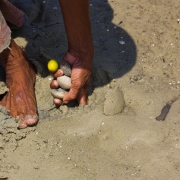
(64, 82)
(58, 93)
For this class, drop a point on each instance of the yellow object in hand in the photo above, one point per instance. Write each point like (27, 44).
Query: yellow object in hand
(53, 65)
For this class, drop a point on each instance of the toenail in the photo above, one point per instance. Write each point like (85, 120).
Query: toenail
(31, 119)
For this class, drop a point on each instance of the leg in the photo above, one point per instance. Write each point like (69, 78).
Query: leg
(12, 14)
(20, 79)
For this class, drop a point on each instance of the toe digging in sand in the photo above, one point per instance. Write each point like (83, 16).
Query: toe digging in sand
(20, 80)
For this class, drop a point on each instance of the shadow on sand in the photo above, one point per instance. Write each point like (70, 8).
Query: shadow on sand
(115, 50)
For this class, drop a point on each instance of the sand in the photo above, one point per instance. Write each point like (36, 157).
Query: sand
(136, 60)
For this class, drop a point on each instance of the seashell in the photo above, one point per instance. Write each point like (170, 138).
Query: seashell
(58, 93)
(64, 82)
(66, 67)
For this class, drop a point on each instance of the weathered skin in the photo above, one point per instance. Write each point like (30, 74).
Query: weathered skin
(20, 74)
(80, 49)
(20, 99)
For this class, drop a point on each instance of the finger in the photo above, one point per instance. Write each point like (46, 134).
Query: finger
(57, 102)
(82, 96)
(54, 84)
(58, 73)
(71, 95)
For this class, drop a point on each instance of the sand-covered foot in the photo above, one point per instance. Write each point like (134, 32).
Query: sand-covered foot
(20, 79)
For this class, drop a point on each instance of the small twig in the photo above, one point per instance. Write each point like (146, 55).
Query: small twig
(164, 112)
(166, 108)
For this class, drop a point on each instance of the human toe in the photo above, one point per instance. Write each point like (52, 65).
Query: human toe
(31, 120)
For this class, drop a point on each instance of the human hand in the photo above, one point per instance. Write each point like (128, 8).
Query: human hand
(80, 78)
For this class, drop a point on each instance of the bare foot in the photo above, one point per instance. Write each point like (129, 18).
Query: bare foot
(20, 79)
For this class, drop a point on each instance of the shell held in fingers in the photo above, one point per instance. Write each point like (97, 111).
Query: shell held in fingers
(58, 93)
(66, 68)
(64, 82)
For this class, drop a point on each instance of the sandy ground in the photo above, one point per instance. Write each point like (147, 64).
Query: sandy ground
(135, 74)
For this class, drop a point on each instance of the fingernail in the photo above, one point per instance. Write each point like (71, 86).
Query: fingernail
(65, 102)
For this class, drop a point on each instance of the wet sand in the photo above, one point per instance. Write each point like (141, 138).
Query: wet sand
(135, 74)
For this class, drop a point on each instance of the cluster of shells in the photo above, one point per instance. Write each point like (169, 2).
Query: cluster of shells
(63, 81)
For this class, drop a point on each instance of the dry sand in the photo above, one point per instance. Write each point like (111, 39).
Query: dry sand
(135, 74)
